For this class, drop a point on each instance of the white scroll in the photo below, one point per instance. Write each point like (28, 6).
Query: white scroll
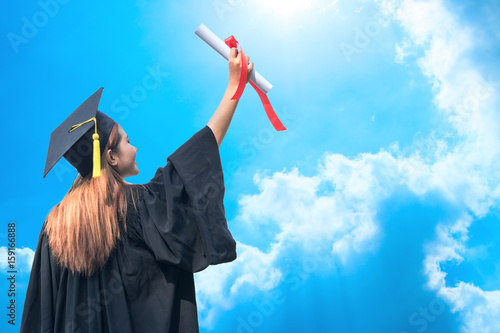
(218, 45)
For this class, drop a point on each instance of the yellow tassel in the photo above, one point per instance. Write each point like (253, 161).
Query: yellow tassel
(97, 156)
(97, 148)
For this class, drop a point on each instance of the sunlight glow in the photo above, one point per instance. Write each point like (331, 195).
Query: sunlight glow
(287, 9)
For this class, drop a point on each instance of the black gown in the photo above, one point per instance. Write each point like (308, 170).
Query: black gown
(147, 284)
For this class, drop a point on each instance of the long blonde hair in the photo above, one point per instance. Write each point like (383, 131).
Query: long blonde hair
(83, 228)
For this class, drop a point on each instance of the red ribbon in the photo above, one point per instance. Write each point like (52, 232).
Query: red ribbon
(232, 42)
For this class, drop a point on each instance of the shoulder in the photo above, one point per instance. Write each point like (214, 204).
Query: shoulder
(134, 190)
(138, 194)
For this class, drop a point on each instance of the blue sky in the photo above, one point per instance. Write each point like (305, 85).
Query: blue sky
(376, 211)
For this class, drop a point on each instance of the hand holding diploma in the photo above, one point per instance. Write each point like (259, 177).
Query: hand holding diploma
(235, 66)
(239, 71)
(261, 85)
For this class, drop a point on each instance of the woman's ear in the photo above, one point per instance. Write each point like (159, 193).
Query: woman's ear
(110, 156)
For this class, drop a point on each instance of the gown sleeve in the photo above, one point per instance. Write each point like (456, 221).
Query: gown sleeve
(182, 213)
(38, 312)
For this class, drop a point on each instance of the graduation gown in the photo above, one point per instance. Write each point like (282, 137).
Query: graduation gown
(178, 228)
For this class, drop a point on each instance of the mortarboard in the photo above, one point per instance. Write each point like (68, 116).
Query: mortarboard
(81, 138)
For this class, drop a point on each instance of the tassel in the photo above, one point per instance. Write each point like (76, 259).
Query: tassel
(97, 157)
(96, 172)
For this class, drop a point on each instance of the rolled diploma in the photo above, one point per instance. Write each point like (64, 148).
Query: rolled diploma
(218, 45)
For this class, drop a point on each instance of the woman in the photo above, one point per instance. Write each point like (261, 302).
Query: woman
(118, 257)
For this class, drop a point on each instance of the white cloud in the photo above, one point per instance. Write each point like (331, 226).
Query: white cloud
(403, 50)
(460, 163)
(466, 173)
(219, 287)
(480, 309)
(338, 223)
(23, 259)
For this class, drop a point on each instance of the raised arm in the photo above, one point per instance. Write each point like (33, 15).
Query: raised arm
(219, 123)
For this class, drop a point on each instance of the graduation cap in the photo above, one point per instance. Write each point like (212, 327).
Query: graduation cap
(81, 138)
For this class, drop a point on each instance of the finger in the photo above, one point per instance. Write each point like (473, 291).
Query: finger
(250, 67)
(248, 59)
(233, 52)
(238, 57)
